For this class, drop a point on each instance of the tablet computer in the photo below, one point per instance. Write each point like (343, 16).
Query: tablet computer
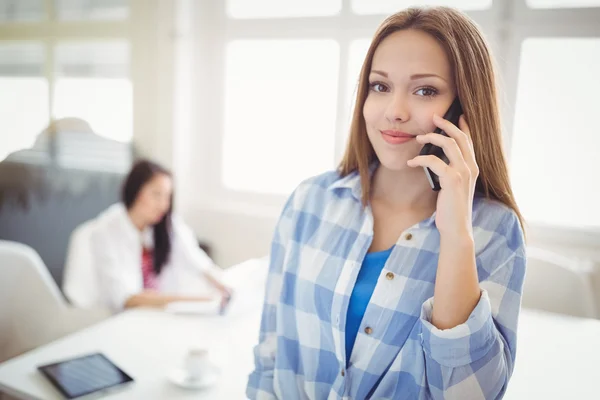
(85, 375)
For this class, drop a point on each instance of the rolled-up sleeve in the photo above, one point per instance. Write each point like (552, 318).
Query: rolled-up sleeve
(464, 343)
(475, 360)
(260, 382)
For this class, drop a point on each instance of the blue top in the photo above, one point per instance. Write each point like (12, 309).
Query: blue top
(319, 245)
(361, 294)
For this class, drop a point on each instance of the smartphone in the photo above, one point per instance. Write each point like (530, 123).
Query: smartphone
(453, 114)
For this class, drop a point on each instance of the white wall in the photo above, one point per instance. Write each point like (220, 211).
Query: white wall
(234, 237)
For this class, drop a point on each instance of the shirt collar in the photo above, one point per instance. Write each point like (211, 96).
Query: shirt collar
(129, 229)
(352, 182)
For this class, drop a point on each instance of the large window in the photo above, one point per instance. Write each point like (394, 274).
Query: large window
(23, 95)
(556, 145)
(289, 78)
(289, 81)
(52, 69)
(273, 136)
(92, 83)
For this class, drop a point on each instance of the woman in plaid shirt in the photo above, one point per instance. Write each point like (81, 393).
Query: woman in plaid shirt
(380, 287)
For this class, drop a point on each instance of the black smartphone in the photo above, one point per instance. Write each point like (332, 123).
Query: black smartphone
(453, 114)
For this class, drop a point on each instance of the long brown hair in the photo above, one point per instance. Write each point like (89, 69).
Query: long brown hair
(141, 173)
(474, 78)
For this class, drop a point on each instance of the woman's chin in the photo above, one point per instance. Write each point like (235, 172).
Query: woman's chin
(157, 219)
(394, 164)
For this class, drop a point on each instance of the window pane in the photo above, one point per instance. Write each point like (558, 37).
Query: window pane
(358, 51)
(92, 9)
(282, 8)
(563, 3)
(392, 6)
(93, 84)
(554, 159)
(23, 96)
(280, 113)
(21, 10)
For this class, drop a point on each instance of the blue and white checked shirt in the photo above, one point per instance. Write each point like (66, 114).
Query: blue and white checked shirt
(319, 244)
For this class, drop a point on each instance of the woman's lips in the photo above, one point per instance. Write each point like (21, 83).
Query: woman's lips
(396, 137)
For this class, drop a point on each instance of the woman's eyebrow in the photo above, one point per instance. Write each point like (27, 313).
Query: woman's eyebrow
(412, 77)
(384, 74)
(420, 76)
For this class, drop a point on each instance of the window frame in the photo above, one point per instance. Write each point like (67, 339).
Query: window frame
(149, 30)
(506, 25)
(213, 31)
(547, 23)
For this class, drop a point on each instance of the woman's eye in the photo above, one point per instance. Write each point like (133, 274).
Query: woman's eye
(427, 92)
(378, 87)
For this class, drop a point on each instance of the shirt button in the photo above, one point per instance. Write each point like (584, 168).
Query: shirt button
(343, 373)
(389, 275)
(368, 330)
(408, 236)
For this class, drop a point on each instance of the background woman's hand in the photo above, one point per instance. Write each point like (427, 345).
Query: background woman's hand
(225, 293)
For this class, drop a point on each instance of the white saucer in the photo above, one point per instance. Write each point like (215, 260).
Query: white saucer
(181, 378)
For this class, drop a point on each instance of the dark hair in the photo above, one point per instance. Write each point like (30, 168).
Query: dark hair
(141, 173)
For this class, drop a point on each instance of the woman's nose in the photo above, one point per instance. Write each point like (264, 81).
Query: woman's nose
(397, 109)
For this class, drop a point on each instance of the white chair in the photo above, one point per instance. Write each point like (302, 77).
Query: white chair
(79, 278)
(558, 284)
(32, 309)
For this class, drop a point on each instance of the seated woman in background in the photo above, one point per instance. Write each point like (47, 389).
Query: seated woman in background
(141, 254)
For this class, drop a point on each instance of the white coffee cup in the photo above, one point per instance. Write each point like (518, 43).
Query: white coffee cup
(196, 362)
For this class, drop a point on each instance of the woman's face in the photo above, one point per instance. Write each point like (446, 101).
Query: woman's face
(154, 199)
(410, 80)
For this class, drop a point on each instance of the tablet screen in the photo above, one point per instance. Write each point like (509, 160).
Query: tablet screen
(84, 375)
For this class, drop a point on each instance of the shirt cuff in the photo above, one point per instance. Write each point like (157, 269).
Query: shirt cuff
(463, 344)
(260, 388)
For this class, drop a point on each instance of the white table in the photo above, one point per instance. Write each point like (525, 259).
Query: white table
(558, 357)
(148, 345)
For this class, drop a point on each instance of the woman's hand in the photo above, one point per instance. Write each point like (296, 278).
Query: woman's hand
(223, 290)
(457, 290)
(225, 293)
(457, 179)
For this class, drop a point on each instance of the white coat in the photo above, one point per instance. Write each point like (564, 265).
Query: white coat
(104, 262)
